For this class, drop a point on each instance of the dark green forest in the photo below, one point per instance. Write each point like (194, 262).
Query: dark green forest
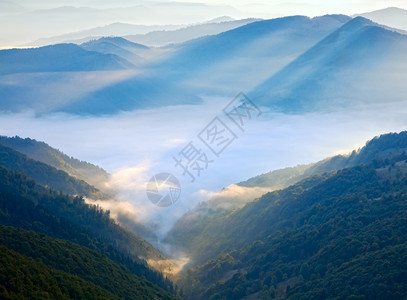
(25, 204)
(42, 152)
(80, 261)
(340, 235)
(26, 278)
(45, 174)
(338, 230)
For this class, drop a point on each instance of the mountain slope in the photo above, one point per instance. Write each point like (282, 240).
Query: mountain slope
(384, 146)
(181, 35)
(79, 261)
(391, 16)
(27, 205)
(57, 58)
(305, 240)
(83, 172)
(212, 65)
(42, 152)
(118, 46)
(334, 73)
(244, 57)
(256, 49)
(114, 29)
(41, 281)
(195, 227)
(45, 174)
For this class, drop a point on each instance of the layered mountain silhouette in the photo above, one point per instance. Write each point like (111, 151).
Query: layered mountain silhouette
(391, 16)
(121, 47)
(335, 72)
(57, 58)
(289, 64)
(213, 65)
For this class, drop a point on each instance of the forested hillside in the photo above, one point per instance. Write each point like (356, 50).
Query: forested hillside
(42, 152)
(197, 225)
(27, 205)
(313, 239)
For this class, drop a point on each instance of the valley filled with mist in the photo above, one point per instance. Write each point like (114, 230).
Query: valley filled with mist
(181, 150)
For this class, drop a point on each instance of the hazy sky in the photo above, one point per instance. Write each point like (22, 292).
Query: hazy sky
(25, 21)
(244, 7)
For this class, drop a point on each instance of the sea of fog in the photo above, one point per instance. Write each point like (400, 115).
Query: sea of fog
(134, 146)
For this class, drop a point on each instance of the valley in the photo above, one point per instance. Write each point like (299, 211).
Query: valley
(234, 157)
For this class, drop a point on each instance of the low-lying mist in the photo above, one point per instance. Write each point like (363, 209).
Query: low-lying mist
(133, 146)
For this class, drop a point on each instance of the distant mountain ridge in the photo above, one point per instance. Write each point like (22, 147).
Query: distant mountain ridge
(346, 57)
(114, 29)
(292, 65)
(181, 35)
(208, 65)
(121, 47)
(151, 35)
(58, 58)
(392, 16)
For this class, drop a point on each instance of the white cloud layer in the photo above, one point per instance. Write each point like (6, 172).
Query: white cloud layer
(136, 145)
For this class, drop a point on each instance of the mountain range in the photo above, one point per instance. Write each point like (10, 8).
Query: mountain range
(308, 239)
(392, 16)
(256, 49)
(151, 35)
(320, 224)
(28, 21)
(325, 59)
(332, 229)
(359, 53)
(56, 236)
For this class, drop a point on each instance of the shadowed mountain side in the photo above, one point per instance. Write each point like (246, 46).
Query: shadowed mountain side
(212, 65)
(358, 64)
(46, 175)
(246, 55)
(121, 47)
(58, 58)
(47, 166)
(42, 152)
(80, 261)
(137, 92)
